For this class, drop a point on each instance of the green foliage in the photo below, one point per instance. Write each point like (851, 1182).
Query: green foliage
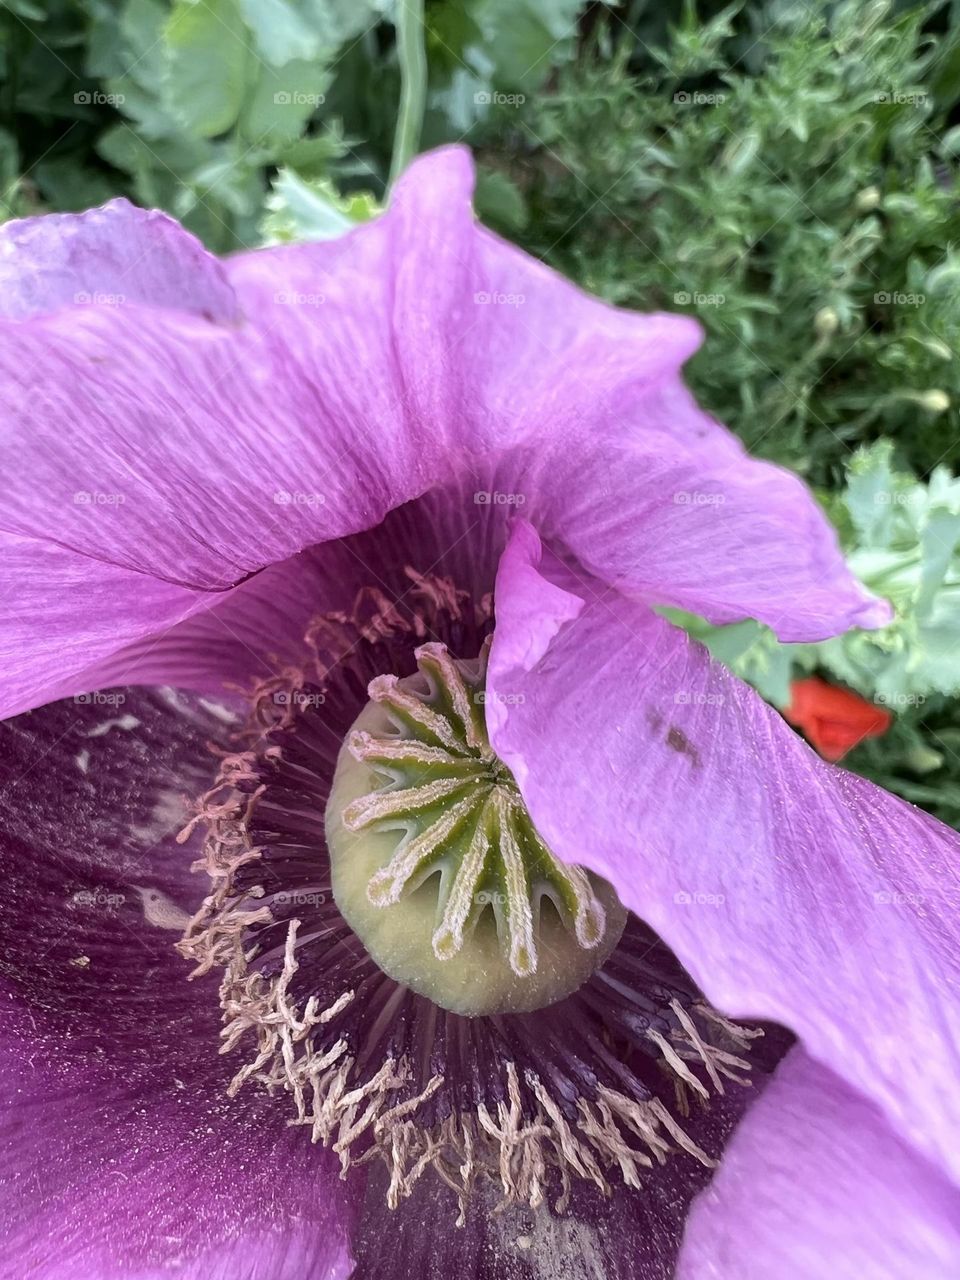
(195, 107)
(805, 210)
(184, 105)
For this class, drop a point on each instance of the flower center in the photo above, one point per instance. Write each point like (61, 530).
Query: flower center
(436, 864)
(588, 1094)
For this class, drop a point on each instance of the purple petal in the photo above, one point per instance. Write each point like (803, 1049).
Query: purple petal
(258, 629)
(366, 371)
(106, 258)
(196, 454)
(707, 530)
(65, 613)
(576, 409)
(815, 1184)
(791, 890)
(121, 1154)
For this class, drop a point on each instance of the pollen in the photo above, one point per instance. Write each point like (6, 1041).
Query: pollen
(436, 863)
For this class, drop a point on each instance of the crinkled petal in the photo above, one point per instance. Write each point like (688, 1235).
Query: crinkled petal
(790, 889)
(109, 257)
(576, 412)
(419, 349)
(121, 1154)
(727, 537)
(814, 1183)
(627, 472)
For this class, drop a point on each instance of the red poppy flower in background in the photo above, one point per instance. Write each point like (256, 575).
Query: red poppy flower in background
(835, 720)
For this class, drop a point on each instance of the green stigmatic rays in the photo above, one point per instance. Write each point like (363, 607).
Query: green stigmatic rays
(435, 863)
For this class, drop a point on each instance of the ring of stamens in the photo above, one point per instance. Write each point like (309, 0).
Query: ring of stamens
(443, 808)
(594, 1090)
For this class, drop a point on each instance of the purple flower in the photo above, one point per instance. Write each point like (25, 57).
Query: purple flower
(511, 931)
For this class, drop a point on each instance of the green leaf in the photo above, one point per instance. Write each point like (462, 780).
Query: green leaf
(524, 39)
(499, 201)
(300, 210)
(282, 102)
(280, 32)
(870, 488)
(208, 60)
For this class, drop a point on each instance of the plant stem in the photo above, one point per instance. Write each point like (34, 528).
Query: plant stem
(413, 84)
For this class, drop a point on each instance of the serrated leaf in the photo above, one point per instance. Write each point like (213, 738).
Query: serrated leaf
(280, 32)
(939, 544)
(282, 102)
(207, 66)
(870, 485)
(300, 210)
(525, 38)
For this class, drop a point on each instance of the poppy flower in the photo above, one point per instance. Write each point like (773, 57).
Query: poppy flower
(834, 720)
(522, 931)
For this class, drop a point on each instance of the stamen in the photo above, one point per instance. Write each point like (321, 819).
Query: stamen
(677, 1064)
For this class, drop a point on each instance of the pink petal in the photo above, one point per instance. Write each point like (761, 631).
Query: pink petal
(790, 889)
(815, 1184)
(109, 257)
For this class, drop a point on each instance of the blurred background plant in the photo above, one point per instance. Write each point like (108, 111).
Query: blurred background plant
(787, 172)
